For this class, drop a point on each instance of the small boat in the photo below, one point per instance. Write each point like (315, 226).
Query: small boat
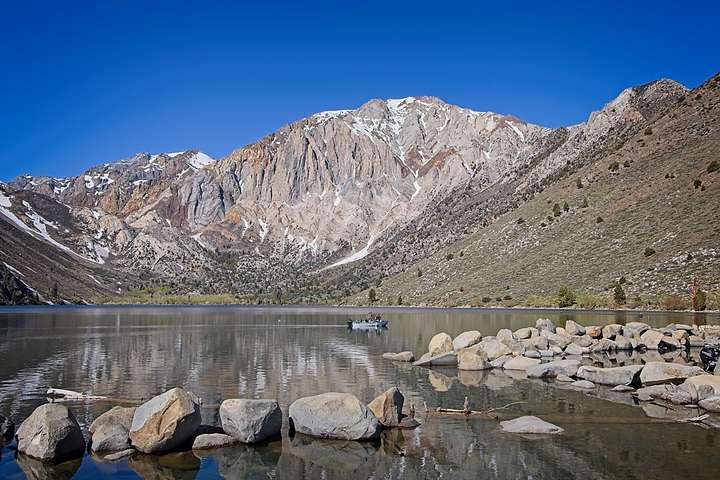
(367, 324)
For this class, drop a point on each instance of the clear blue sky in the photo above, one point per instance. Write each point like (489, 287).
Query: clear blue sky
(83, 83)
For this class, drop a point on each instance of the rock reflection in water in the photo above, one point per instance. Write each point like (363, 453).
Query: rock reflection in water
(171, 466)
(245, 461)
(333, 455)
(37, 470)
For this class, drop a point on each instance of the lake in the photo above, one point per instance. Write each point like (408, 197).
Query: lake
(134, 353)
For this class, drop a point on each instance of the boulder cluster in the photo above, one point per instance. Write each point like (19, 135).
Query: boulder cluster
(564, 354)
(172, 422)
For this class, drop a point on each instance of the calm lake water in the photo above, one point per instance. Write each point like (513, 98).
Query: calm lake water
(133, 353)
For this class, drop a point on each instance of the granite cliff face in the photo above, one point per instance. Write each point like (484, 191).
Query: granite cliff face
(401, 176)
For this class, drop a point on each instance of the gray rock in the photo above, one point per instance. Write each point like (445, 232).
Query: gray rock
(547, 353)
(651, 339)
(558, 340)
(520, 363)
(532, 354)
(530, 425)
(506, 336)
(500, 361)
(165, 422)
(564, 378)
(611, 376)
(593, 331)
(111, 430)
(584, 341)
(473, 360)
(439, 344)
(51, 434)
(655, 373)
(7, 429)
(334, 415)
(444, 359)
(624, 343)
(120, 455)
(536, 343)
(575, 349)
(213, 440)
(611, 330)
(466, 339)
(711, 404)
(553, 369)
(604, 345)
(388, 406)
(583, 384)
(709, 383)
(632, 328)
(670, 393)
(251, 421)
(526, 332)
(494, 348)
(545, 324)
(573, 328)
(622, 388)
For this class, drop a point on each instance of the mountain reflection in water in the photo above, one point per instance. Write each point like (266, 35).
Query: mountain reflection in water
(134, 353)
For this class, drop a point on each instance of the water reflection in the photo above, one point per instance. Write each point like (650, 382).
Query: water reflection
(37, 470)
(218, 353)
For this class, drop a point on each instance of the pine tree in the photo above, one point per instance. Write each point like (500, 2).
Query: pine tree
(372, 296)
(619, 295)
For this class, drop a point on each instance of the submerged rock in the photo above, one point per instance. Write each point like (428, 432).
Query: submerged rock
(583, 384)
(213, 440)
(111, 430)
(334, 415)
(51, 434)
(530, 425)
(165, 422)
(655, 373)
(553, 369)
(611, 376)
(444, 359)
(387, 407)
(251, 421)
(399, 357)
(520, 363)
(466, 339)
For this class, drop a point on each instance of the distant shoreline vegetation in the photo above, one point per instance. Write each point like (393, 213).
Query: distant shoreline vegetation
(565, 298)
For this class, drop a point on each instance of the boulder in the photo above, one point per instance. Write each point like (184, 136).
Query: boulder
(494, 348)
(573, 328)
(611, 330)
(251, 421)
(564, 378)
(624, 343)
(466, 339)
(532, 354)
(51, 434)
(711, 404)
(7, 429)
(111, 430)
(505, 336)
(632, 328)
(627, 375)
(651, 339)
(696, 341)
(213, 440)
(586, 384)
(530, 425)
(655, 373)
(165, 422)
(388, 355)
(526, 332)
(710, 383)
(444, 359)
(604, 345)
(670, 393)
(553, 369)
(547, 353)
(473, 360)
(584, 341)
(575, 349)
(403, 357)
(120, 455)
(500, 361)
(440, 343)
(520, 363)
(593, 331)
(545, 324)
(536, 343)
(557, 340)
(334, 415)
(388, 406)
(622, 388)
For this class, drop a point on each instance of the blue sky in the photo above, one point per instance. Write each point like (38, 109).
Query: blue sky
(84, 83)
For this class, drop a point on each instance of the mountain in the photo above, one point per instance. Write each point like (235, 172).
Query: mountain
(320, 209)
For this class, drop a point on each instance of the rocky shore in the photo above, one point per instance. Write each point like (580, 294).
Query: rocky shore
(171, 422)
(646, 364)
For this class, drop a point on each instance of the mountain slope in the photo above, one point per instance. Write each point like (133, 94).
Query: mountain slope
(641, 196)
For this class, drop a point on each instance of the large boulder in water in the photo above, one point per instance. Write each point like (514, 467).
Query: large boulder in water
(553, 369)
(611, 376)
(466, 339)
(111, 430)
(470, 359)
(440, 343)
(387, 407)
(51, 434)
(334, 415)
(574, 328)
(251, 421)
(165, 422)
(655, 373)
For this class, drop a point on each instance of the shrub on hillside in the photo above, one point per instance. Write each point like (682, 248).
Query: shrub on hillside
(673, 302)
(649, 251)
(648, 131)
(579, 183)
(614, 166)
(486, 299)
(556, 210)
(713, 166)
(599, 220)
(697, 183)
(566, 207)
(565, 297)
(520, 221)
(449, 256)
(619, 295)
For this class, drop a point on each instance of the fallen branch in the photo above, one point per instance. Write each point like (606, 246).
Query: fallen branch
(60, 394)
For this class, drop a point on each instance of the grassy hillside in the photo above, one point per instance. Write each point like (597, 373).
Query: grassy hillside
(648, 213)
